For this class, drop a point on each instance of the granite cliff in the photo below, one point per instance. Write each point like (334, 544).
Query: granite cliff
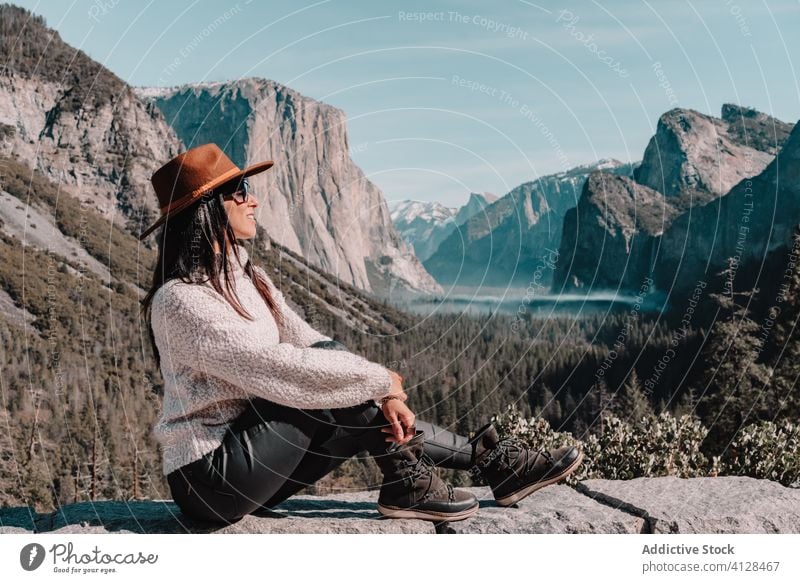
(71, 119)
(693, 152)
(754, 219)
(608, 239)
(679, 208)
(319, 204)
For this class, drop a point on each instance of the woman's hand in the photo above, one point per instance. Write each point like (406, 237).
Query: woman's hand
(401, 421)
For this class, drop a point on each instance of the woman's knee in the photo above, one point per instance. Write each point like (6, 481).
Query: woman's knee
(199, 500)
(264, 457)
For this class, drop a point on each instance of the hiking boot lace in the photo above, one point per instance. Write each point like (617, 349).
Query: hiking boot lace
(423, 468)
(508, 452)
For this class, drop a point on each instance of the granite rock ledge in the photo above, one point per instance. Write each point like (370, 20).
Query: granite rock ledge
(732, 504)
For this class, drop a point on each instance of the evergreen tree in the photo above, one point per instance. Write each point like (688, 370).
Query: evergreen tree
(687, 404)
(785, 340)
(600, 403)
(786, 323)
(631, 402)
(733, 380)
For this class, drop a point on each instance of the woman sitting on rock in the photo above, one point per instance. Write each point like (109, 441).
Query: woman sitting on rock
(258, 404)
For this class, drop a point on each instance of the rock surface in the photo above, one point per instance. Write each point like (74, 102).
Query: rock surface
(557, 509)
(320, 204)
(642, 505)
(38, 227)
(731, 504)
(692, 151)
(755, 129)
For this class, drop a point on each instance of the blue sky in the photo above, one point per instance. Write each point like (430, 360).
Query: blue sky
(446, 98)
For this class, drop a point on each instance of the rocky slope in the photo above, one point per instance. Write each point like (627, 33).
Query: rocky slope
(667, 505)
(319, 204)
(76, 122)
(609, 237)
(476, 204)
(694, 152)
(426, 224)
(755, 218)
(514, 237)
(79, 247)
(690, 167)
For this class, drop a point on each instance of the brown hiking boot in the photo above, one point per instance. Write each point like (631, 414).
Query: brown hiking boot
(411, 488)
(513, 470)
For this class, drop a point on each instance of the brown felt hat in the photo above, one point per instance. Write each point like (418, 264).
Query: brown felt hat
(188, 176)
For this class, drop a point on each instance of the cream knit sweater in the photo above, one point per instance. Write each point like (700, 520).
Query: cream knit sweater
(213, 361)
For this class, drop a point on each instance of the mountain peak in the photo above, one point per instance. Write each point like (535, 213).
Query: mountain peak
(405, 212)
(476, 204)
(755, 129)
(695, 152)
(253, 87)
(486, 197)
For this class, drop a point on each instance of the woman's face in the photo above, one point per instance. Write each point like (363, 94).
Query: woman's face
(241, 215)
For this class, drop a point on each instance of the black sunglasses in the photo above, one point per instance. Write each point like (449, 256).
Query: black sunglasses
(238, 191)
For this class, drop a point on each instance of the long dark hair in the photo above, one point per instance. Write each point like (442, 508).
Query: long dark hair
(186, 250)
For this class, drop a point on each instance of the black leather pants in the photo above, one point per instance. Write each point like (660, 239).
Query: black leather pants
(271, 452)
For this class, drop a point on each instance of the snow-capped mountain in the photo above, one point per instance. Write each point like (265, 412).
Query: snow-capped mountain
(426, 224)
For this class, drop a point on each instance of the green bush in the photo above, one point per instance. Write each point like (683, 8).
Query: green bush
(656, 445)
(766, 450)
(665, 445)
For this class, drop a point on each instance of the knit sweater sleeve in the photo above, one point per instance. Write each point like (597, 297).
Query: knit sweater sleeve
(199, 328)
(294, 330)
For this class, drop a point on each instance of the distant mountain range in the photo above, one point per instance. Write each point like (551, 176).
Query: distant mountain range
(426, 224)
(508, 241)
(707, 189)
